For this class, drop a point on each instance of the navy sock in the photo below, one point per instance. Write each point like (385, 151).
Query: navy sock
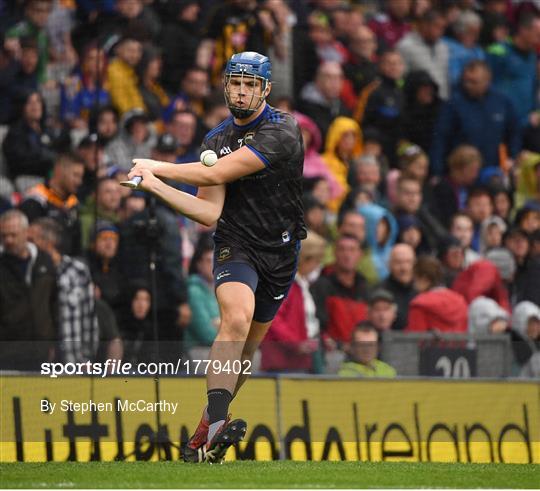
(218, 404)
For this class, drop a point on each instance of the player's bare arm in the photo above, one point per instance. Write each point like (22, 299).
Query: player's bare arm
(239, 163)
(205, 208)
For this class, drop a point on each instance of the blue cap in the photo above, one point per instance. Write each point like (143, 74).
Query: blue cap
(250, 63)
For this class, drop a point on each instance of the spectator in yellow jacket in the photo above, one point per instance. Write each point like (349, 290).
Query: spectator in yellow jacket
(343, 145)
(122, 78)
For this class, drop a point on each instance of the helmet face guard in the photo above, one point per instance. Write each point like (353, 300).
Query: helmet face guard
(249, 67)
(254, 100)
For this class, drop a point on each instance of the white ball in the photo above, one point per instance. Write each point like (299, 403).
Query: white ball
(208, 158)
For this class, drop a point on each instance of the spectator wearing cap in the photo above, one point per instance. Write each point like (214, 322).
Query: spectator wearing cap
(449, 194)
(104, 205)
(362, 355)
(293, 339)
(57, 199)
(382, 310)
(435, 307)
(28, 298)
(480, 116)
(422, 104)
(462, 228)
(513, 63)
(526, 285)
(135, 139)
(104, 264)
(122, 78)
(78, 331)
(424, 49)
(400, 282)
(91, 150)
(320, 100)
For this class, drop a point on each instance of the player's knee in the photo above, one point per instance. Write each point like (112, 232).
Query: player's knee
(235, 324)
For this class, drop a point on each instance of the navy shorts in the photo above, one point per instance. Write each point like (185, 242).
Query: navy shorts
(269, 274)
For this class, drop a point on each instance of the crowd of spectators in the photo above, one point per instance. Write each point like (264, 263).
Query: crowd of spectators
(421, 128)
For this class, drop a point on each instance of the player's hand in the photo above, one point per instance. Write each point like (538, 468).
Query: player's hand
(141, 164)
(149, 181)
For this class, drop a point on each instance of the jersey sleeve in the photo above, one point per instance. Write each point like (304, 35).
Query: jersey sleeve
(276, 142)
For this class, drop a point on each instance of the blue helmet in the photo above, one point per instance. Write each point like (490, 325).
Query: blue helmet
(250, 63)
(247, 64)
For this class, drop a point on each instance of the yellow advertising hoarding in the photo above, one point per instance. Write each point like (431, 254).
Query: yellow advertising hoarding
(318, 419)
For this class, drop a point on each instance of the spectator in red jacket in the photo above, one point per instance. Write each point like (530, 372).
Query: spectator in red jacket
(294, 335)
(340, 295)
(390, 26)
(435, 307)
(482, 279)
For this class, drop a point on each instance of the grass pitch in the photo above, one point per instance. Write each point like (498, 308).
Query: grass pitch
(267, 475)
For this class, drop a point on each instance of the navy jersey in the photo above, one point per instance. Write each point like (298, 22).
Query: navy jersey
(263, 209)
